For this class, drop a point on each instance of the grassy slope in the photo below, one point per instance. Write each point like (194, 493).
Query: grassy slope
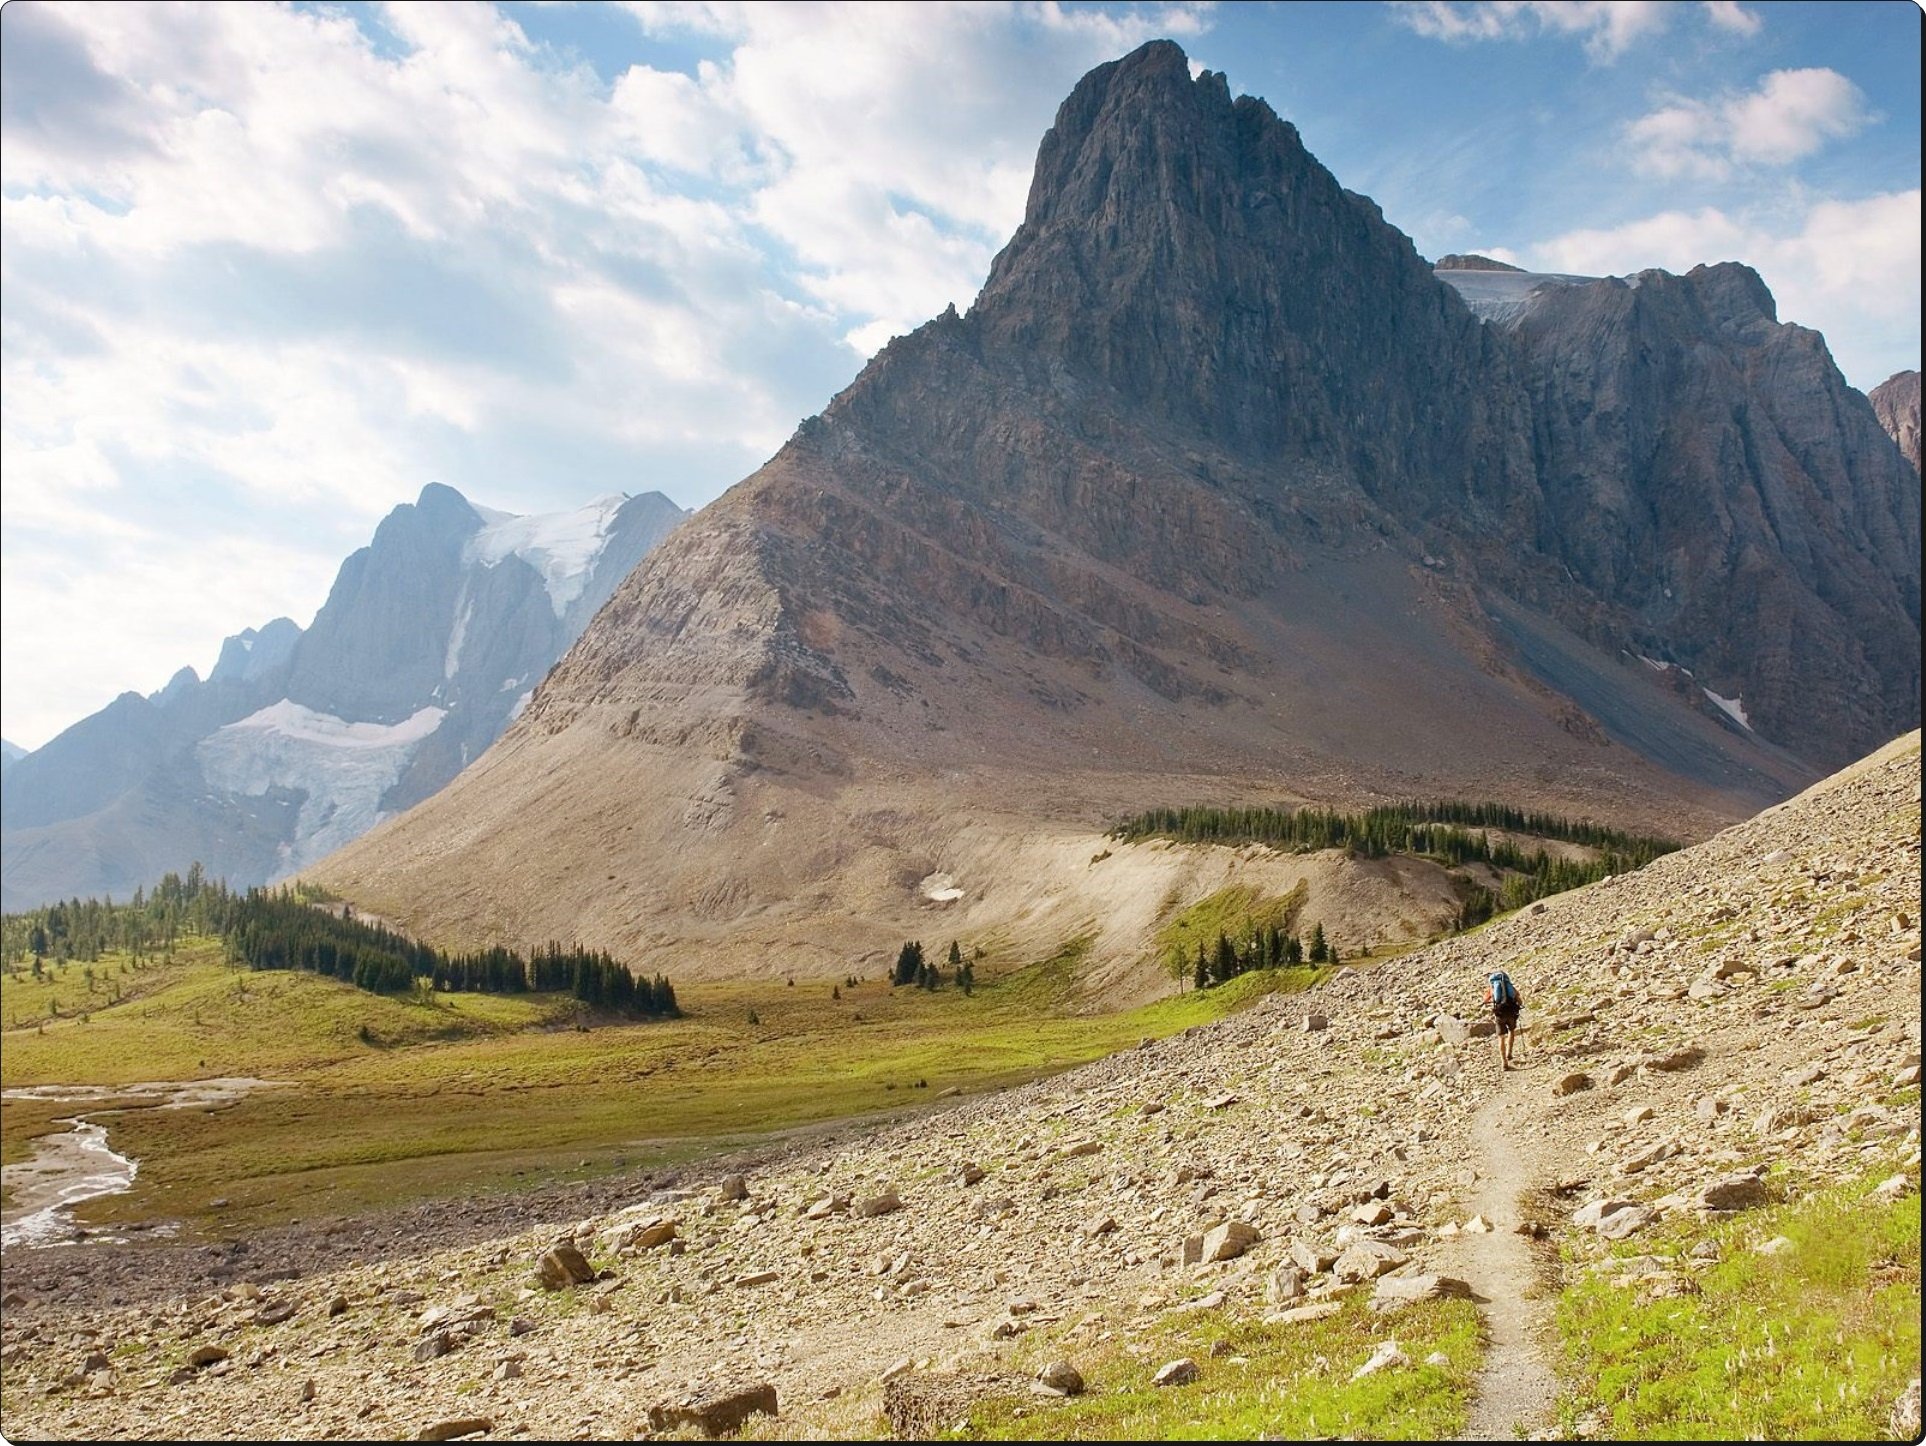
(1814, 1343)
(472, 1092)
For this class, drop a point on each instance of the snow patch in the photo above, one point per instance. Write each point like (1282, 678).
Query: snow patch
(940, 889)
(1733, 708)
(342, 768)
(1502, 297)
(453, 659)
(561, 546)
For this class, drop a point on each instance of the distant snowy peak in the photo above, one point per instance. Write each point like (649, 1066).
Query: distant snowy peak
(561, 546)
(10, 754)
(1502, 297)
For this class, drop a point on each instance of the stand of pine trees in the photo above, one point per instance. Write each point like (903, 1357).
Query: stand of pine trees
(913, 968)
(1453, 833)
(1268, 948)
(280, 929)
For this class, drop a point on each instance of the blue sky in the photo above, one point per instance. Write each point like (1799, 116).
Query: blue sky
(267, 270)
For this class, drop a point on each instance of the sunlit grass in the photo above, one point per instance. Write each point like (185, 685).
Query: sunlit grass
(400, 1098)
(1814, 1343)
(1289, 1382)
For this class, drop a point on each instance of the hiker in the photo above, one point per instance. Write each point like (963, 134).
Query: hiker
(1502, 995)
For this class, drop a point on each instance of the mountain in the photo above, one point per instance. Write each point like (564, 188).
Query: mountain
(1896, 403)
(10, 754)
(1219, 492)
(431, 639)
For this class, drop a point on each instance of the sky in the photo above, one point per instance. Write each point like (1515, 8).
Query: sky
(266, 270)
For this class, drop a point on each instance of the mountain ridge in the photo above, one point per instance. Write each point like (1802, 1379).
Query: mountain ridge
(298, 740)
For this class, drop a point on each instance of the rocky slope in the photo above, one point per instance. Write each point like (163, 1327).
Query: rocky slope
(297, 742)
(1747, 1006)
(1217, 493)
(1896, 403)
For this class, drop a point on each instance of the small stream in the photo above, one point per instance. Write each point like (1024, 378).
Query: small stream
(77, 1164)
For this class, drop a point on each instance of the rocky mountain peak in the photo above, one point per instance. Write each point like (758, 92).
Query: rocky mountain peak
(1896, 403)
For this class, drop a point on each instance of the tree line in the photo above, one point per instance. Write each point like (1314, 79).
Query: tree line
(281, 928)
(1454, 833)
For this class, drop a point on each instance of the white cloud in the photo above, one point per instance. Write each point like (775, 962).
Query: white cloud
(1606, 27)
(1789, 116)
(269, 270)
(1848, 269)
(1731, 16)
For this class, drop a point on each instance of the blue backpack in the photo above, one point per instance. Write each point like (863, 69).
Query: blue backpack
(1504, 994)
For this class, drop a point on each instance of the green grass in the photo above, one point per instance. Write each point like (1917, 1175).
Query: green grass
(1289, 1382)
(403, 1098)
(1812, 1344)
(1234, 912)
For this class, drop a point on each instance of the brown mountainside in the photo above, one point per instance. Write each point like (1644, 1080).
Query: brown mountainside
(1216, 494)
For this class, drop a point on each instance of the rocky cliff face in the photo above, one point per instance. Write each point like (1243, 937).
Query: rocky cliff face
(1698, 461)
(1895, 402)
(1217, 492)
(429, 643)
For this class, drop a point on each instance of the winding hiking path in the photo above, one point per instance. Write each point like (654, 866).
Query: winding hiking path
(1517, 1389)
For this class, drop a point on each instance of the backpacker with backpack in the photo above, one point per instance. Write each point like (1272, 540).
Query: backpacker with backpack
(1504, 994)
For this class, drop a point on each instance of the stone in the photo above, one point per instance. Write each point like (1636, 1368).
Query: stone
(1061, 1378)
(1376, 1213)
(1571, 1084)
(1385, 1357)
(1311, 1258)
(1904, 1416)
(1284, 1284)
(434, 1347)
(1732, 1192)
(509, 1371)
(1102, 1225)
(454, 1427)
(1777, 1245)
(1318, 1310)
(716, 1412)
(967, 1175)
(883, 1204)
(1893, 1187)
(203, 1356)
(1229, 1240)
(1315, 1022)
(1180, 1372)
(1080, 1149)
(338, 1306)
(1588, 1216)
(1367, 1260)
(1396, 1290)
(1622, 1223)
(735, 1187)
(758, 1277)
(1219, 1102)
(561, 1266)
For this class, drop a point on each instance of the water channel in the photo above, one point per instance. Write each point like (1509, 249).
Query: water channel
(77, 1164)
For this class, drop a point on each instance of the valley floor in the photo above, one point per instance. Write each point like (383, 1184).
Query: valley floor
(1691, 1210)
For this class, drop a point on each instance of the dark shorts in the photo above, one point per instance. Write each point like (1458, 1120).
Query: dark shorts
(1507, 1019)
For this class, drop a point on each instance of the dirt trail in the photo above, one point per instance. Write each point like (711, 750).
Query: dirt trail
(1517, 1391)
